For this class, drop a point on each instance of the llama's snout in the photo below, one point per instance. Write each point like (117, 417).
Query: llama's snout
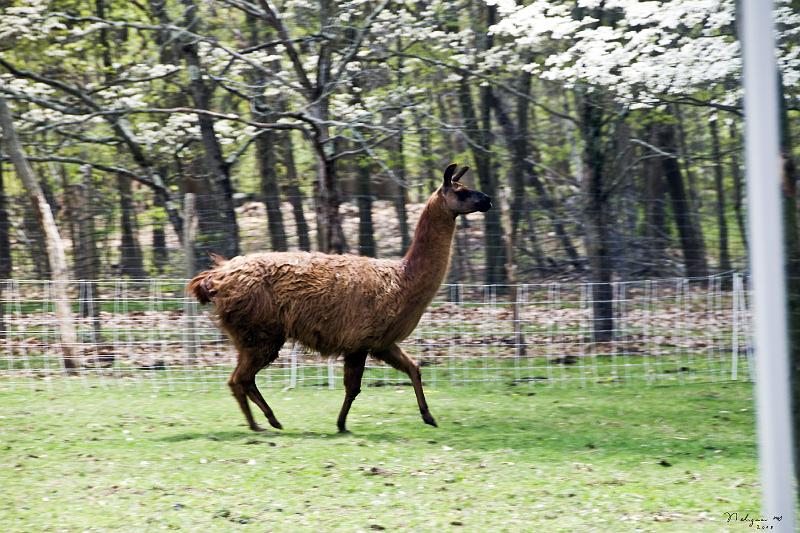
(485, 203)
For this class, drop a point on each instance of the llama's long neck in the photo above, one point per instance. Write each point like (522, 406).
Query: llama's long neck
(426, 262)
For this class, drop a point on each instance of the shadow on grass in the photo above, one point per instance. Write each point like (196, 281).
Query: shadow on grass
(628, 424)
(223, 436)
(254, 437)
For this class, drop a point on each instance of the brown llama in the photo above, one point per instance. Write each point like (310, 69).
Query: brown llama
(335, 304)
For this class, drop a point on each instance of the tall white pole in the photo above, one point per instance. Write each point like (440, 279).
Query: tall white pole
(763, 162)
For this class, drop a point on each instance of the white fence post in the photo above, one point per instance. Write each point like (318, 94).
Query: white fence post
(762, 159)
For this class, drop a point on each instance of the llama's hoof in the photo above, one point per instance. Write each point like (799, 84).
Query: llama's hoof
(428, 419)
(274, 423)
(256, 427)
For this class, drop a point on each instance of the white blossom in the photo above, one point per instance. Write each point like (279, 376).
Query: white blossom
(651, 48)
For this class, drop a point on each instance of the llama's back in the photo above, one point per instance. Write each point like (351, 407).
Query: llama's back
(330, 303)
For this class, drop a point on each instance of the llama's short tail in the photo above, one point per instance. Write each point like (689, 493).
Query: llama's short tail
(202, 286)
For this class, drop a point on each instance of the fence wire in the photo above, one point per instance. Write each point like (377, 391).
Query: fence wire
(674, 330)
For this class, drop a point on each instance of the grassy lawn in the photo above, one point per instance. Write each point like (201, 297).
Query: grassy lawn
(129, 457)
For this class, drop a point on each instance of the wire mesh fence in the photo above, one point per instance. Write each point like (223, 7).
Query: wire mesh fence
(675, 330)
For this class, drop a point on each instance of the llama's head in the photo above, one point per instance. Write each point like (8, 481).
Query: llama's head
(459, 198)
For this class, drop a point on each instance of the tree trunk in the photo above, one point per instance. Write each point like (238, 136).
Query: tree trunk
(5, 250)
(426, 159)
(265, 155)
(694, 254)
(226, 237)
(695, 201)
(329, 223)
(521, 168)
(330, 235)
(398, 159)
(791, 244)
(190, 225)
(293, 193)
(536, 247)
(655, 227)
(366, 231)
(87, 260)
(35, 242)
(401, 192)
(131, 263)
(160, 253)
(55, 247)
(5, 232)
(722, 223)
(738, 187)
(519, 153)
(596, 212)
(493, 234)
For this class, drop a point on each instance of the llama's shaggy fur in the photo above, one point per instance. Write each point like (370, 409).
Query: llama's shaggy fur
(334, 304)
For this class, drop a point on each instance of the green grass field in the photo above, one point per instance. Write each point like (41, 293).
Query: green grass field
(129, 457)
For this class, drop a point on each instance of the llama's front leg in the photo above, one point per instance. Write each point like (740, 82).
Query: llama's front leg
(353, 372)
(396, 357)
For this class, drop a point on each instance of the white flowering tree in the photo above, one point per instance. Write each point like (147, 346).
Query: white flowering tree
(146, 86)
(620, 56)
(291, 97)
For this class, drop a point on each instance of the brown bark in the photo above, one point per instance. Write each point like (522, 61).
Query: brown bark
(266, 156)
(6, 263)
(654, 197)
(225, 239)
(692, 244)
(426, 159)
(722, 223)
(495, 260)
(366, 231)
(5, 250)
(791, 243)
(55, 247)
(398, 159)
(596, 214)
(160, 253)
(87, 260)
(35, 242)
(131, 263)
(293, 192)
(270, 194)
(517, 141)
(682, 150)
(738, 188)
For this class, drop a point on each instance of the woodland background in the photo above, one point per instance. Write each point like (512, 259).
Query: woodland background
(608, 132)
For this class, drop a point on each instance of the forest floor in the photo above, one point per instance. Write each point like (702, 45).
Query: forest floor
(82, 457)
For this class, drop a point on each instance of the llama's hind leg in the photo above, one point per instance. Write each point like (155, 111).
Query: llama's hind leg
(255, 395)
(240, 393)
(396, 357)
(353, 372)
(243, 385)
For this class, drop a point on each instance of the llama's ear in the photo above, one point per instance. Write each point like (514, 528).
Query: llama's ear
(216, 258)
(448, 175)
(460, 173)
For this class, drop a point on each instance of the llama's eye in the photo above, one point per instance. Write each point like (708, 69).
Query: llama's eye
(462, 195)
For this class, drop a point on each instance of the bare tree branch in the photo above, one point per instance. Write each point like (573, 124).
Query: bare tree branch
(272, 18)
(493, 81)
(79, 161)
(356, 46)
